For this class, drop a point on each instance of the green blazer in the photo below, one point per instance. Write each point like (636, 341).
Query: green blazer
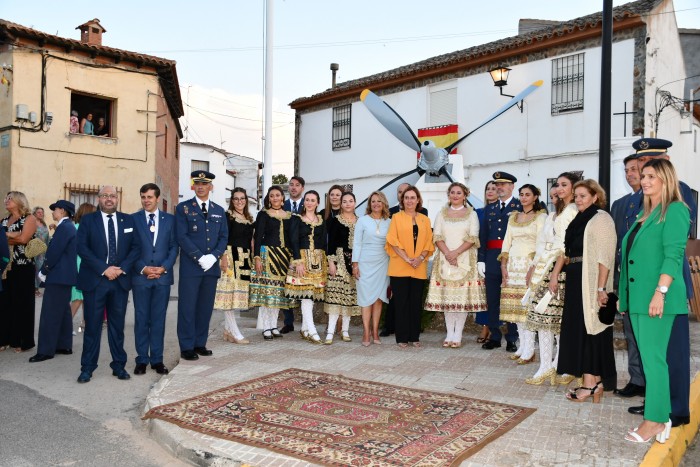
(658, 248)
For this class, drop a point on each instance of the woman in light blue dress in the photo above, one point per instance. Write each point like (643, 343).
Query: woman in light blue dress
(370, 264)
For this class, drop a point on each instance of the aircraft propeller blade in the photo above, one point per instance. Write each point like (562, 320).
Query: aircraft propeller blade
(523, 94)
(390, 120)
(389, 189)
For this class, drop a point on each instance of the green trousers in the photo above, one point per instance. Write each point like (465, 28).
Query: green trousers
(652, 335)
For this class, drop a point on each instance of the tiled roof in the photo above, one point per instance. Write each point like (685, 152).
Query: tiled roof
(621, 12)
(10, 32)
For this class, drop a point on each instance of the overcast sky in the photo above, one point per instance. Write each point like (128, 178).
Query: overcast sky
(218, 46)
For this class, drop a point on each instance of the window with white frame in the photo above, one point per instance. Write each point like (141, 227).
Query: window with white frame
(443, 105)
(342, 117)
(567, 84)
(200, 165)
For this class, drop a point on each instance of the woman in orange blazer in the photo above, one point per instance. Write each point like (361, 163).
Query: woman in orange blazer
(409, 244)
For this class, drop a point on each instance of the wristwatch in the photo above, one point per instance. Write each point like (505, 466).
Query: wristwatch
(662, 289)
(601, 289)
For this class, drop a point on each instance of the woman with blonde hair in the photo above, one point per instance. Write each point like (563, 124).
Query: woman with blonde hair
(652, 262)
(409, 244)
(17, 296)
(370, 263)
(456, 288)
(586, 348)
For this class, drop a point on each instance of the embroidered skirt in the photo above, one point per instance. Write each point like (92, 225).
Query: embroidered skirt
(512, 309)
(457, 295)
(341, 291)
(233, 287)
(267, 288)
(313, 283)
(550, 319)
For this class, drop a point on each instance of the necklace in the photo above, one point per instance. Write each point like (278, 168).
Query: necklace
(378, 222)
(528, 212)
(456, 209)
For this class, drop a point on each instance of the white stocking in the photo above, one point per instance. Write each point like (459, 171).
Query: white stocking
(345, 325)
(262, 318)
(450, 325)
(307, 316)
(546, 348)
(332, 320)
(521, 335)
(527, 343)
(460, 319)
(231, 325)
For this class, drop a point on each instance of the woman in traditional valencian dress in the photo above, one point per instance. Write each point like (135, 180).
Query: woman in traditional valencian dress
(233, 287)
(518, 251)
(272, 258)
(455, 285)
(370, 264)
(308, 271)
(545, 319)
(341, 292)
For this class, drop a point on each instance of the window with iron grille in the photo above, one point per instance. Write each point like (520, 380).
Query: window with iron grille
(200, 165)
(567, 84)
(78, 193)
(341, 126)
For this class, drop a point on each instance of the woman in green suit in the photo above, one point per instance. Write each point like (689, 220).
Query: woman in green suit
(652, 289)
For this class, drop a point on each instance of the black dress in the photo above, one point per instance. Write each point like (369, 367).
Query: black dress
(580, 352)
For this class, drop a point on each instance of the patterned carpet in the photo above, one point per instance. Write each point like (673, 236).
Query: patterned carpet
(334, 420)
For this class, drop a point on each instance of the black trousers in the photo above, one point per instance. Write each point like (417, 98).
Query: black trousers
(407, 295)
(17, 307)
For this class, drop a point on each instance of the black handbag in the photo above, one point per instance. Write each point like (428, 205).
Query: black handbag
(606, 314)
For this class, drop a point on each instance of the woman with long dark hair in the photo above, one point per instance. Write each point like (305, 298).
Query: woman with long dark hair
(332, 202)
(234, 285)
(482, 317)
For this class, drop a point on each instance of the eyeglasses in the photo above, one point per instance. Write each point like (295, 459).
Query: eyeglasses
(239, 199)
(107, 196)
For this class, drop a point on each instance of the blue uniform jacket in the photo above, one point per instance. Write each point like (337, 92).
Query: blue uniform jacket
(163, 253)
(92, 248)
(494, 224)
(60, 263)
(198, 236)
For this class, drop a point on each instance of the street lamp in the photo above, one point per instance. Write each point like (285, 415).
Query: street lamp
(499, 75)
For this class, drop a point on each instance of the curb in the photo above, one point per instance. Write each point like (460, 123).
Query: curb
(671, 452)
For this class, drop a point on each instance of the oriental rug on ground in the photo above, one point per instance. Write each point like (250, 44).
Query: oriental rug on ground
(334, 420)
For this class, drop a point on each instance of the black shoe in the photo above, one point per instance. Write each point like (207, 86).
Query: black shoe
(203, 351)
(40, 357)
(267, 334)
(286, 329)
(189, 355)
(121, 374)
(64, 351)
(140, 369)
(490, 345)
(385, 333)
(276, 332)
(511, 347)
(636, 410)
(84, 376)
(630, 390)
(678, 421)
(160, 369)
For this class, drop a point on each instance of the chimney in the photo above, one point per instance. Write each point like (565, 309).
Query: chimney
(91, 32)
(334, 69)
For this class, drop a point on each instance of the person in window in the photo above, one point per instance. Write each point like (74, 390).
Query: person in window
(74, 122)
(101, 129)
(86, 125)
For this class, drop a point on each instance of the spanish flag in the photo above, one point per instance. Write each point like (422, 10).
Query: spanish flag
(442, 136)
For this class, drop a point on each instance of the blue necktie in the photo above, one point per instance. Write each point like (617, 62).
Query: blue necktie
(294, 209)
(112, 241)
(152, 226)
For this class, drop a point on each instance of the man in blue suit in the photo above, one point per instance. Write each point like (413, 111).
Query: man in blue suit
(624, 219)
(293, 205)
(678, 352)
(491, 234)
(59, 274)
(151, 279)
(108, 247)
(202, 233)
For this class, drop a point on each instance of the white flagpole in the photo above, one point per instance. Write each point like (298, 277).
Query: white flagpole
(267, 137)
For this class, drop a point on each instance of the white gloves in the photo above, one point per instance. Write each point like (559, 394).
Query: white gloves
(481, 267)
(207, 261)
(42, 278)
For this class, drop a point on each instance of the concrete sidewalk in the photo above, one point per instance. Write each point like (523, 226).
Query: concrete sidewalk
(558, 433)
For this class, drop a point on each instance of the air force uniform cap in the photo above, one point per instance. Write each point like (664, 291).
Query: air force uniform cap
(202, 176)
(503, 177)
(651, 146)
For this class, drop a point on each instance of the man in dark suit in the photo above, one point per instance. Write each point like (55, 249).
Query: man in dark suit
(491, 234)
(678, 352)
(202, 233)
(108, 247)
(59, 274)
(293, 205)
(623, 222)
(152, 278)
(389, 315)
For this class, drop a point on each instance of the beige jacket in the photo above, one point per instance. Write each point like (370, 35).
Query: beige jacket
(599, 243)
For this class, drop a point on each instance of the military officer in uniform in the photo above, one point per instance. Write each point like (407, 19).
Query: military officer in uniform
(491, 234)
(202, 233)
(678, 353)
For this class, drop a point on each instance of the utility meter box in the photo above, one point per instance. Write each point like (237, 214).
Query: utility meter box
(22, 112)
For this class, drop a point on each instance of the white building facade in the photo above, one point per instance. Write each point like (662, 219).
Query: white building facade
(557, 131)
